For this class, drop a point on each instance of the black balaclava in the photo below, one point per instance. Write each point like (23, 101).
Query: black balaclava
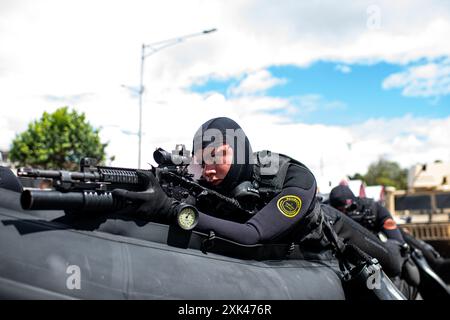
(9, 181)
(239, 172)
(341, 196)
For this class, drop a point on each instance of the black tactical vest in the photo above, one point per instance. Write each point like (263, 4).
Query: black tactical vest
(269, 173)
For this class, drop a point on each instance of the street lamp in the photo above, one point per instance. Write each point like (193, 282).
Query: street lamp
(155, 47)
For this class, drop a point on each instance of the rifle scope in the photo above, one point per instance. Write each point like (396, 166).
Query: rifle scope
(163, 157)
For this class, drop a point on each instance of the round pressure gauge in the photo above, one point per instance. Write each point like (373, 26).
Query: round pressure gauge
(187, 216)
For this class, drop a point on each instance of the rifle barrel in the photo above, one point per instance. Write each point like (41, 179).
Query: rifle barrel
(54, 174)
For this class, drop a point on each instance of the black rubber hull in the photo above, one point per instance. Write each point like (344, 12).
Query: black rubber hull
(40, 259)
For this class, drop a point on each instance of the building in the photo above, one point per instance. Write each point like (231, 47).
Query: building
(434, 176)
(427, 198)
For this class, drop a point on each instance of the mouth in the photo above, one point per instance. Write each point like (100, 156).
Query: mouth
(214, 181)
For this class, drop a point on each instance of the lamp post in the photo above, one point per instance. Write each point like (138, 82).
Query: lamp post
(148, 50)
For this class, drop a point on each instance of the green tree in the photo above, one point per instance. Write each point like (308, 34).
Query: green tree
(386, 173)
(58, 140)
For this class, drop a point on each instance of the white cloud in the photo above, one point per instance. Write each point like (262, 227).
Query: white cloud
(427, 80)
(54, 47)
(315, 102)
(407, 140)
(343, 68)
(80, 53)
(256, 82)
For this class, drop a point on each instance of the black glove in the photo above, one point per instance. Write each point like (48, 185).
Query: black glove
(153, 201)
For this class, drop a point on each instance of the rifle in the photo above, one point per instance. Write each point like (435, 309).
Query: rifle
(90, 189)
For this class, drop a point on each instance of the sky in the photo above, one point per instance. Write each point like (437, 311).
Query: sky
(335, 85)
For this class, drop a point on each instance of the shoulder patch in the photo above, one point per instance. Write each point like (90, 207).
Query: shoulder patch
(389, 224)
(289, 205)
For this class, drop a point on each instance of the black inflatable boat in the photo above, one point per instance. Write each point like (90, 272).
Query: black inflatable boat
(50, 255)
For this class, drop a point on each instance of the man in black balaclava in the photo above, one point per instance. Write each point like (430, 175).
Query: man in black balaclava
(225, 153)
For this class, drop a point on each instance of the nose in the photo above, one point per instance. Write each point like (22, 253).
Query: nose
(209, 171)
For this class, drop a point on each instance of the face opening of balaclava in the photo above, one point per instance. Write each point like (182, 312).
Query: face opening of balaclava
(219, 131)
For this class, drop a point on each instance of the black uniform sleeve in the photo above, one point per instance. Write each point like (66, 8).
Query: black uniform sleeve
(386, 224)
(281, 214)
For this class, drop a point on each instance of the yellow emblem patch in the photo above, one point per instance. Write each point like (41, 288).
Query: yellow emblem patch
(289, 205)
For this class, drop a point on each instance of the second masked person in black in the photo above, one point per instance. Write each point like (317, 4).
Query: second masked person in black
(367, 212)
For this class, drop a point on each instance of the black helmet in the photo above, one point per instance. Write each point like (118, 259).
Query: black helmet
(342, 197)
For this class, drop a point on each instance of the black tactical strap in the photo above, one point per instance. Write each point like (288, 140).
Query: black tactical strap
(208, 243)
(339, 248)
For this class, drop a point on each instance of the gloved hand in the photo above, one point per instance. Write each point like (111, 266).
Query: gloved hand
(153, 201)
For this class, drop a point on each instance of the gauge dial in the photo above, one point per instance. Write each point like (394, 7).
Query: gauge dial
(187, 217)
